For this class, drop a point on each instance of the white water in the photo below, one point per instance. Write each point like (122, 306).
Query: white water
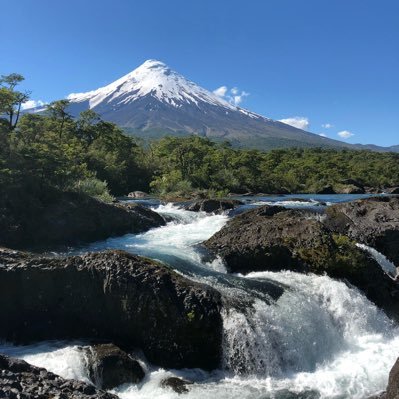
(320, 335)
(177, 239)
(386, 265)
(292, 203)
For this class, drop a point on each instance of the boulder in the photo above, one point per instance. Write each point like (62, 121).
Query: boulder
(110, 367)
(19, 379)
(327, 190)
(274, 238)
(349, 189)
(393, 382)
(372, 221)
(111, 296)
(177, 384)
(392, 190)
(213, 205)
(67, 218)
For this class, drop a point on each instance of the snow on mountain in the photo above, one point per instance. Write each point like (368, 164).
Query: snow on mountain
(156, 79)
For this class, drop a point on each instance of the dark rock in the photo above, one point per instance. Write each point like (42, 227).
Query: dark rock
(177, 384)
(212, 205)
(111, 296)
(392, 190)
(327, 190)
(372, 221)
(58, 218)
(24, 381)
(145, 218)
(274, 238)
(137, 194)
(109, 366)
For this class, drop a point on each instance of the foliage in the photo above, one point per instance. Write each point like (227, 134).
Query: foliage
(55, 150)
(200, 164)
(94, 188)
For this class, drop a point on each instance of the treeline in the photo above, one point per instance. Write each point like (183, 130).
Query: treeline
(54, 150)
(192, 163)
(87, 154)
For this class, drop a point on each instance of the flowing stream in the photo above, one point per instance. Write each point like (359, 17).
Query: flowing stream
(319, 339)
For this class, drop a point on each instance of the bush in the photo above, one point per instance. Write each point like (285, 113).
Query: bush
(94, 188)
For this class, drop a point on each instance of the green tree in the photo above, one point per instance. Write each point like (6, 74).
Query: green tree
(11, 100)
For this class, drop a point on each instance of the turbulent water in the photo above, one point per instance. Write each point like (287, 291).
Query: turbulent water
(320, 339)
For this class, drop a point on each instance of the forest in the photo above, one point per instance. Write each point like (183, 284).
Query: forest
(86, 154)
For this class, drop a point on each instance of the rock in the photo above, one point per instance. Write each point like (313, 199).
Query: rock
(19, 379)
(212, 205)
(392, 190)
(138, 194)
(145, 218)
(110, 367)
(327, 190)
(349, 189)
(352, 182)
(392, 391)
(111, 296)
(372, 221)
(372, 190)
(177, 384)
(69, 218)
(274, 238)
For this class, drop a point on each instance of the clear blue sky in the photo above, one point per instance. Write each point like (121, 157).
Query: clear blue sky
(330, 61)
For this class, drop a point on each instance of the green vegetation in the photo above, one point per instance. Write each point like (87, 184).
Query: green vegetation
(54, 150)
(95, 157)
(195, 163)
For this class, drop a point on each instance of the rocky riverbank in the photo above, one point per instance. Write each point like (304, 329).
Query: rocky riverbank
(20, 380)
(67, 218)
(112, 296)
(275, 238)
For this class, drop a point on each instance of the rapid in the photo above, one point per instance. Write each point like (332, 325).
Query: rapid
(319, 339)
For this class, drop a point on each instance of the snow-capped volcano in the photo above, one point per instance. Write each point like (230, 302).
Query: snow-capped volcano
(153, 100)
(157, 80)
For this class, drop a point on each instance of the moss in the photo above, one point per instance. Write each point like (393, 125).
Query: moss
(315, 257)
(191, 316)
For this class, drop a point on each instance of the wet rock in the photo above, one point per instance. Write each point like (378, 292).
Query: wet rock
(372, 221)
(212, 205)
(110, 367)
(177, 384)
(392, 391)
(58, 218)
(21, 380)
(111, 296)
(274, 238)
(145, 218)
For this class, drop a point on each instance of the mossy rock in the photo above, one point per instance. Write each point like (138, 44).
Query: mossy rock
(274, 238)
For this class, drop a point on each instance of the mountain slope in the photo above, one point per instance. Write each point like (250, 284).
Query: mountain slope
(154, 100)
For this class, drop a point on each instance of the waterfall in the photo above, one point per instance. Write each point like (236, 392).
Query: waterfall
(318, 339)
(386, 265)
